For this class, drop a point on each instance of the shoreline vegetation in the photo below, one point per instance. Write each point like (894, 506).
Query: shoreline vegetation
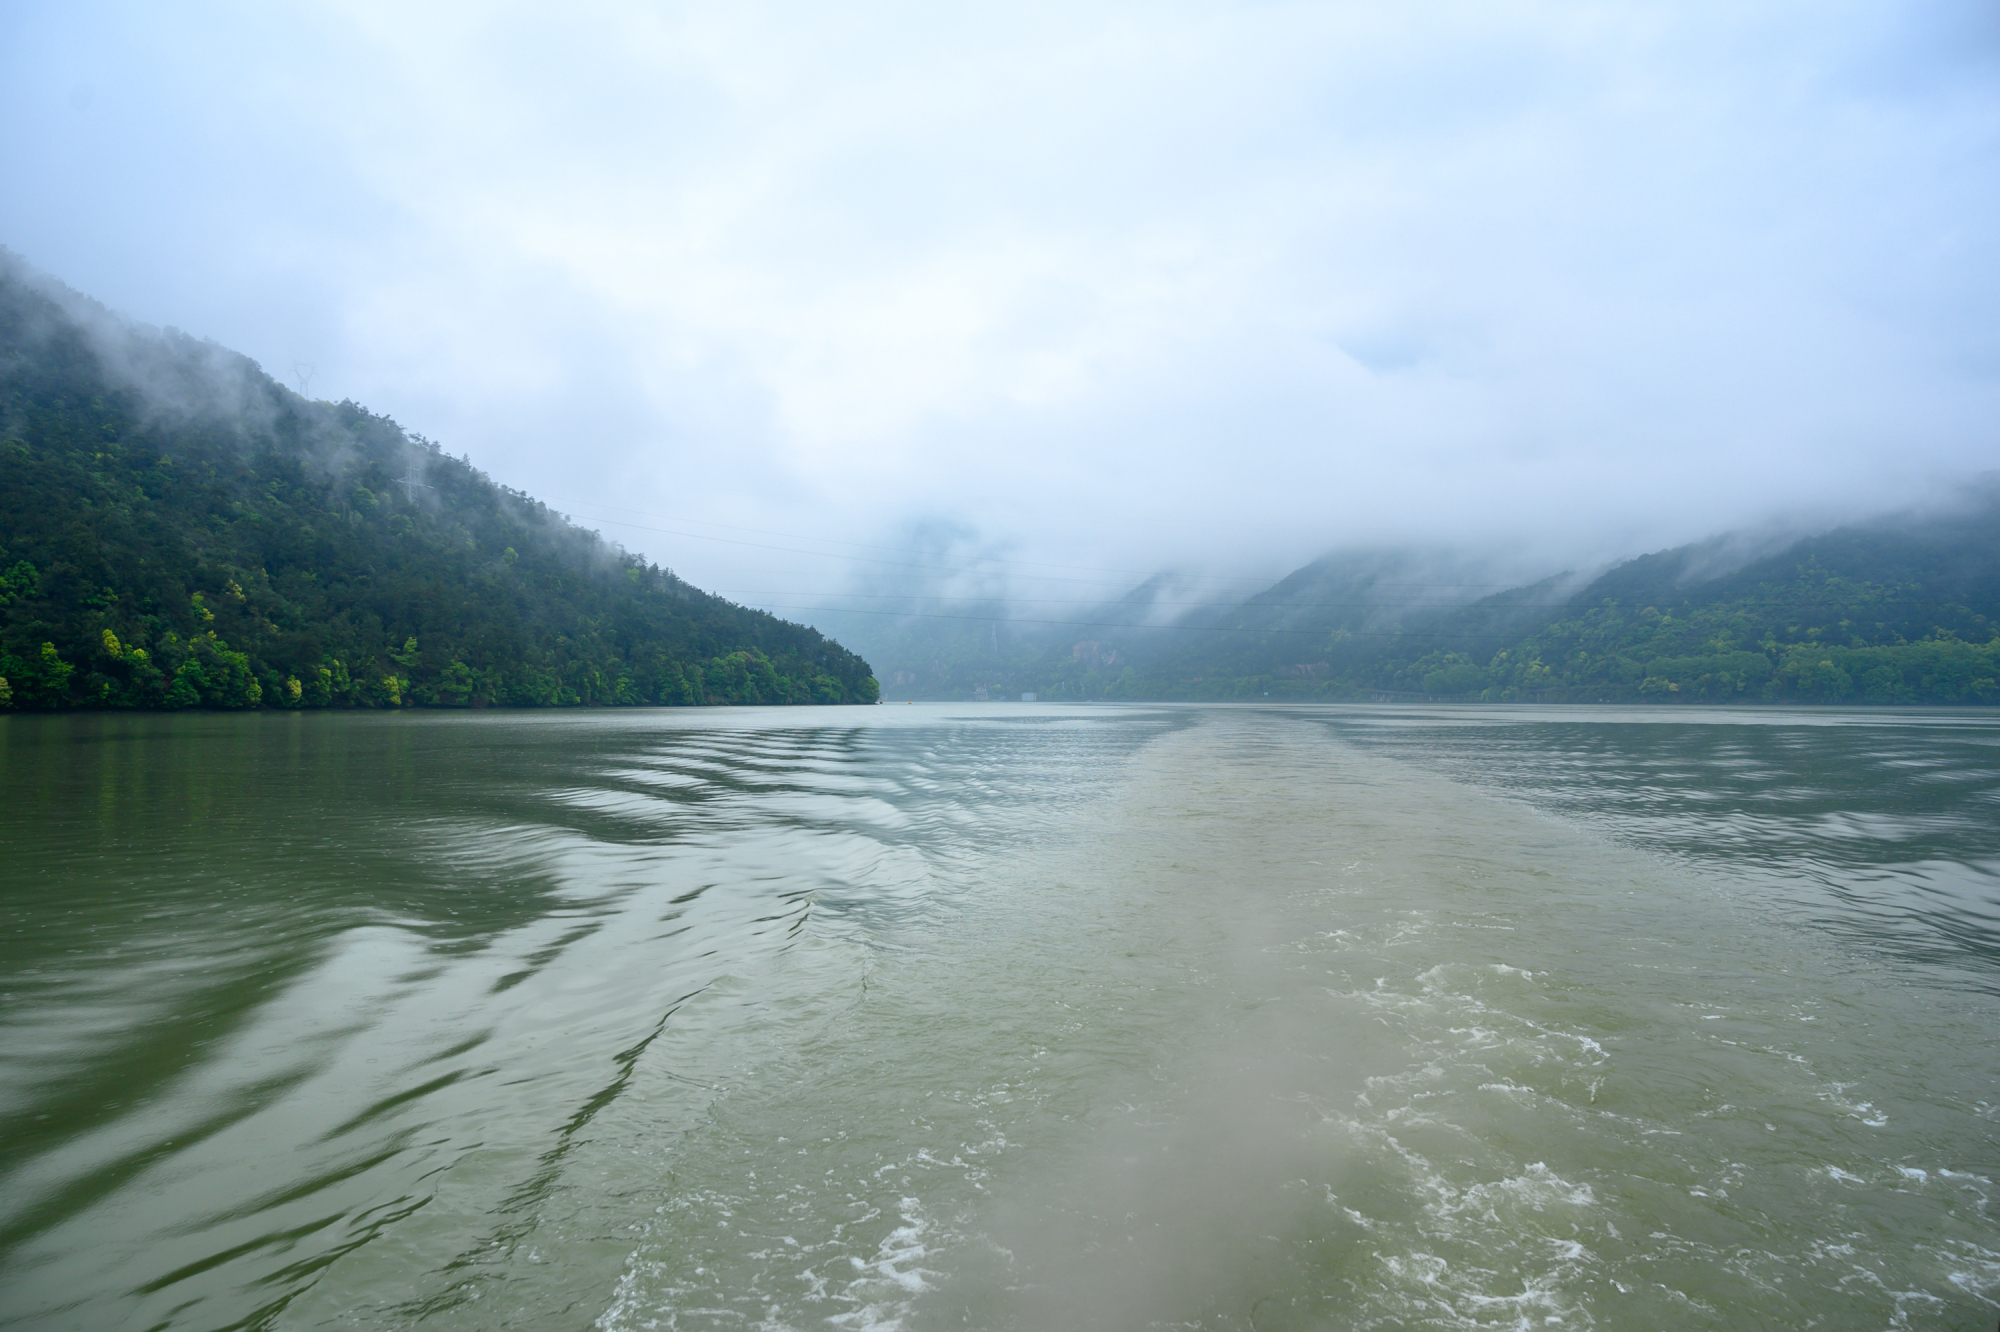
(1931, 674)
(1900, 611)
(1938, 671)
(1593, 666)
(178, 530)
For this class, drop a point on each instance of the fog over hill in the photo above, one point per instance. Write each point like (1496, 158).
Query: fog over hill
(1902, 608)
(1105, 312)
(1093, 286)
(178, 530)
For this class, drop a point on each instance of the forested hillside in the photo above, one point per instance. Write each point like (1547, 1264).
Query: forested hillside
(1901, 610)
(1893, 612)
(178, 530)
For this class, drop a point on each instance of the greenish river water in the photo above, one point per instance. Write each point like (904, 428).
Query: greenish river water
(1001, 1016)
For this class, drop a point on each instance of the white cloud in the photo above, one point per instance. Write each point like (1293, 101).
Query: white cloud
(1212, 284)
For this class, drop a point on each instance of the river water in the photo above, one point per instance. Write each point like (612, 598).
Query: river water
(1001, 1016)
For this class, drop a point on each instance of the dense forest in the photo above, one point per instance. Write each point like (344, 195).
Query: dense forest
(1900, 610)
(178, 530)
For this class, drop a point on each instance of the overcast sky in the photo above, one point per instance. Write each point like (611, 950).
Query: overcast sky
(1090, 285)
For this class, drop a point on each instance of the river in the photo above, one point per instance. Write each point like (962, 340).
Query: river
(1001, 1016)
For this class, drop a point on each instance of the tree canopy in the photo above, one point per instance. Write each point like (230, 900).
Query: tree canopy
(178, 530)
(1900, 610)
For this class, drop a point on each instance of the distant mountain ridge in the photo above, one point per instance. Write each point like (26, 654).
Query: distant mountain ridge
(178, 530)
(1899, 610)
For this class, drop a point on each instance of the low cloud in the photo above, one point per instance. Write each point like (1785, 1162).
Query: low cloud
(1212, 288)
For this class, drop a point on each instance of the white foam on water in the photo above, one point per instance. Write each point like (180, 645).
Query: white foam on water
(888, 1280)
(1541, 1081)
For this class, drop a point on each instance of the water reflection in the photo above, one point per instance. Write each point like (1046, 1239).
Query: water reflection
(1883, 829)
(271, 979)
(576, 1008)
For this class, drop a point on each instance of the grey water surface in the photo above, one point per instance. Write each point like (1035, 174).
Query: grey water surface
(1001, 1016)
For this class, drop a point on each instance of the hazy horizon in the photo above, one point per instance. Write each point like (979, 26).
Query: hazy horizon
(794, 302)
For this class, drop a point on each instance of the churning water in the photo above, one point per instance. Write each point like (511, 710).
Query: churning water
(1001, 1017)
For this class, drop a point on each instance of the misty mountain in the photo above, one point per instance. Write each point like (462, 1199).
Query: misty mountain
(1899, 610)
(177, 530)
(1323, 621)
(1904, 609)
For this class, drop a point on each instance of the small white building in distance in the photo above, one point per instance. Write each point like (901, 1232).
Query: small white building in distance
(1027, 698)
